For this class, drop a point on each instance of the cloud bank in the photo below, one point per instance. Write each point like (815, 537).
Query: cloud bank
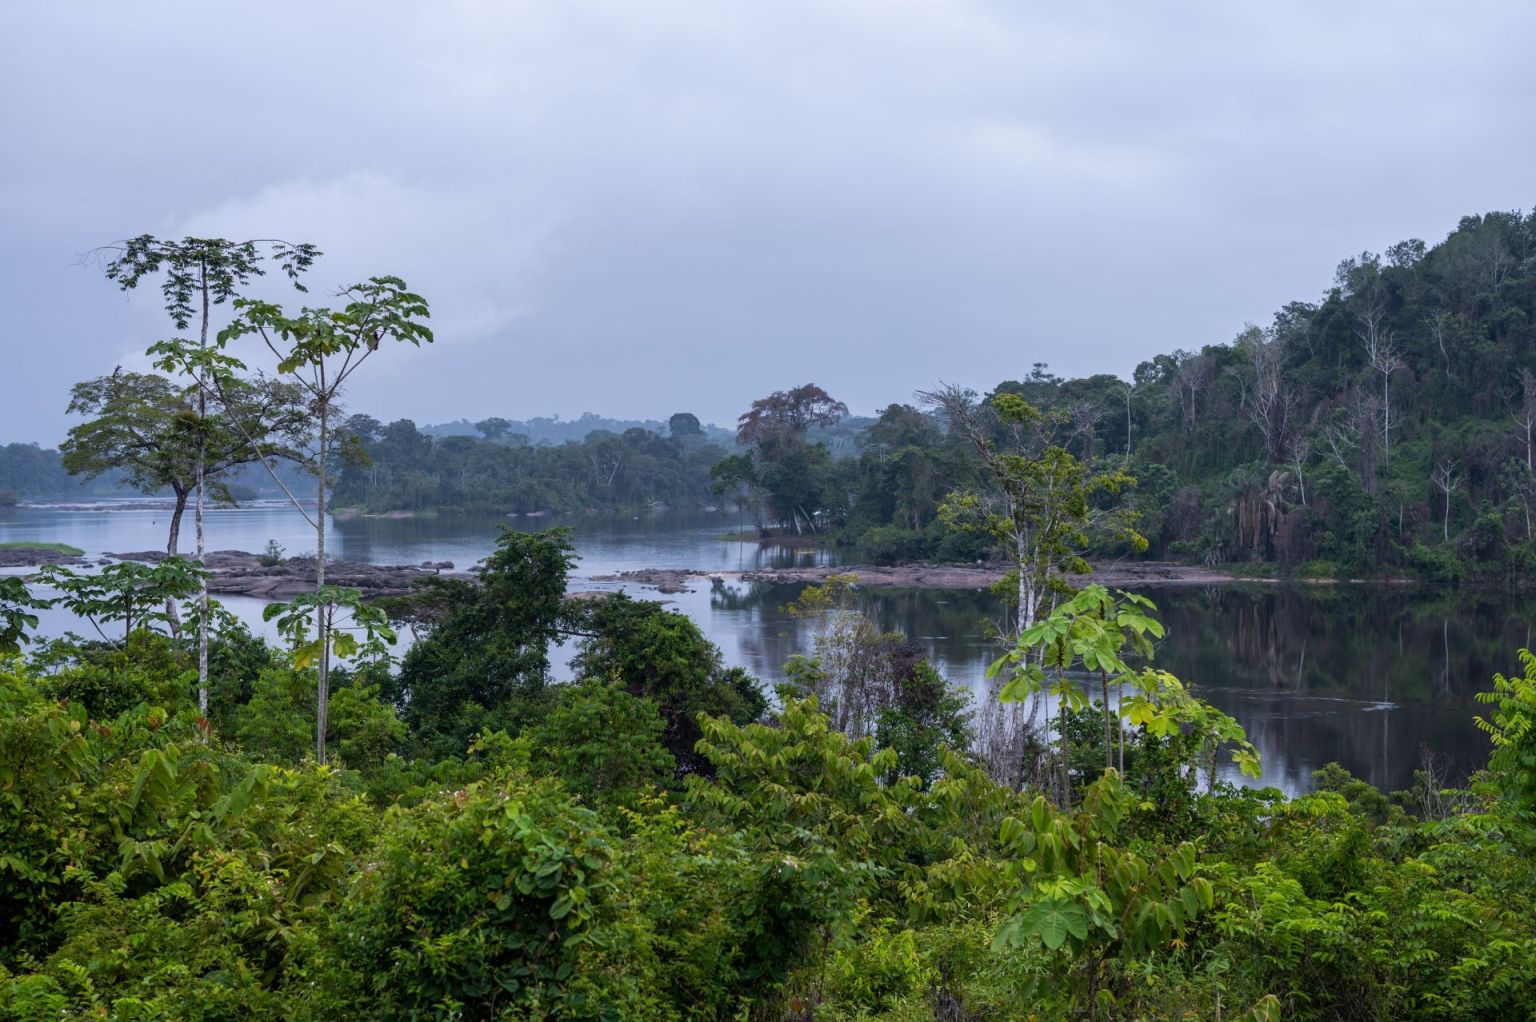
(645, 208)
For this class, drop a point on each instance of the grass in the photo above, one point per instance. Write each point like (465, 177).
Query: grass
(58, 548)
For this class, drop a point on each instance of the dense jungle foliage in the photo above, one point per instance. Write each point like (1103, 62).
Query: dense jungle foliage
(1387, 428)
(658, 840)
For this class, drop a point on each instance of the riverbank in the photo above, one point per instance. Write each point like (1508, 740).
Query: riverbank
(32, 555)
(1141, 574)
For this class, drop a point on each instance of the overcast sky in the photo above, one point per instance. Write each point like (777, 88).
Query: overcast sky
(637, 208)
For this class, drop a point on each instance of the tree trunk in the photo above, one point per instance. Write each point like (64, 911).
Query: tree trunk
(1061, 744)
(1028, 603)
(1386, 421)
(323, 686)
(173, 541)
(172, 544)
(202, 588)
(1109, 745)
(1119, 725)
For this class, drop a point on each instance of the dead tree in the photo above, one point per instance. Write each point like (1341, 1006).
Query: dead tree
(1386, 360)
(1438, 321)
(1082, 418)
(1265, 395)
(1195, 371)
(1525, 416)
(1298, 452)
(1445, 479)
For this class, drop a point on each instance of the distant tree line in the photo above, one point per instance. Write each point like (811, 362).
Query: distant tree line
(398, 467)
(552, 429)
(27, 470)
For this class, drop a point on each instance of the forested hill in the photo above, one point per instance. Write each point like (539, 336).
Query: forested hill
(1386, 426)
(1389, 423)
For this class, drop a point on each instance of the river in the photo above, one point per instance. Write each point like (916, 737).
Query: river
(1370, 676)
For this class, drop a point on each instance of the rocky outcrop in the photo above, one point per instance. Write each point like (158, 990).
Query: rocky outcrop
(32, 556)
(663, 580)
(238, 573)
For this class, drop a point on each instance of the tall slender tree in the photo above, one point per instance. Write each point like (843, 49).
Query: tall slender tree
(321, 349)
(195, 275)
(1041, 505)
(1447, 482)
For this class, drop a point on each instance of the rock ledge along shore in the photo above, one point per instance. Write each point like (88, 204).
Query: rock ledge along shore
(33, 556)
(239, 573)
(923, 576)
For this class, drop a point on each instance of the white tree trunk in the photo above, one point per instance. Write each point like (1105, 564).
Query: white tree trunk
(323, 685)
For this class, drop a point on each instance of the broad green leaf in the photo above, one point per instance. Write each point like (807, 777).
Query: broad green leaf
(1054, 920)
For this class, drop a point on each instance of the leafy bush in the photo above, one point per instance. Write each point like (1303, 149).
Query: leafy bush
(1512, 726)
(272, 556)
(1436, 564)
(604, 743)
(504, 899)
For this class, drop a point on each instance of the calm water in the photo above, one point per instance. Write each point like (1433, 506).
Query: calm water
(1368, 676)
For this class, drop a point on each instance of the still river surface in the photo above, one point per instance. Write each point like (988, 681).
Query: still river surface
(1369, 676)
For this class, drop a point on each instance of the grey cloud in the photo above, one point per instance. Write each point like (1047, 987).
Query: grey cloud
(643, 208)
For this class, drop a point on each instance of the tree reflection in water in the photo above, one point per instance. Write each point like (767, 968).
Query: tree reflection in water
(1369, 676)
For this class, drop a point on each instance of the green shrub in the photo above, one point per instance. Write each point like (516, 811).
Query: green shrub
(1435, 564)
(500, 900)
(604, 743)
(880, 971)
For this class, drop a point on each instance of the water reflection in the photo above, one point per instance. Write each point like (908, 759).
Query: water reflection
(607, 543)
(1370, 677)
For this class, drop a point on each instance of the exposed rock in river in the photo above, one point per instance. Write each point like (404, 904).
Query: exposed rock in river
(238, 573)
(32, 556)
(663, 580)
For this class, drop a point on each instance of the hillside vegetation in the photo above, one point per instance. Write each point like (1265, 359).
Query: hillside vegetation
(1387, 427)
